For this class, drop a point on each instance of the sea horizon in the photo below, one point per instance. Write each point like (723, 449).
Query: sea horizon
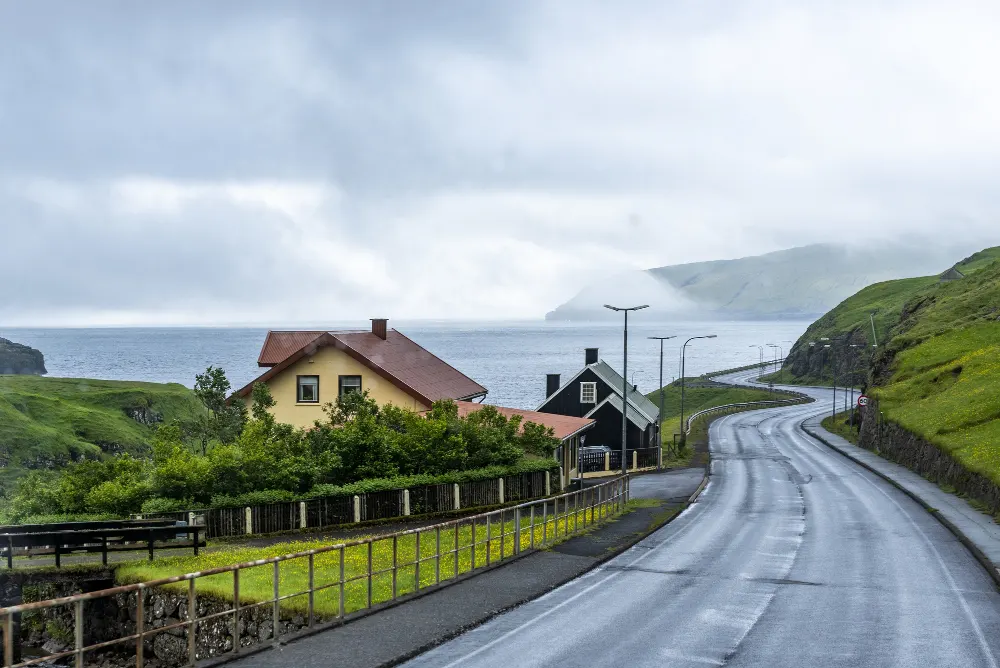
(510, 358)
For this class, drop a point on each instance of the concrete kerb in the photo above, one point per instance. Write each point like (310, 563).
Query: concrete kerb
(319, 628)
(976, 551)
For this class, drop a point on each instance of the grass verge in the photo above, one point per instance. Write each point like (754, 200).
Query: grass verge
(456, 556)
(841, 426)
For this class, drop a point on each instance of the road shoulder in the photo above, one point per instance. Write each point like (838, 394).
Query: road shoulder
(395, 634)
(976, 530)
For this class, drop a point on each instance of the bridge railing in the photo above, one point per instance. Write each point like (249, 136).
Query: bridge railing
(260, 600)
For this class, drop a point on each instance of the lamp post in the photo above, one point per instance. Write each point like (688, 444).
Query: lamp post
(626, 309)
(833, 370)
(776, 349)
(683, 373)
(760, 372)
(659, 421)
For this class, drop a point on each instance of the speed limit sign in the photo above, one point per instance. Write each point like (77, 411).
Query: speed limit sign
(862, 401)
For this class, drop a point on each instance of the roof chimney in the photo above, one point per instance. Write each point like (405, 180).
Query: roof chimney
(590, 356)
(551, 384)
(379, 326)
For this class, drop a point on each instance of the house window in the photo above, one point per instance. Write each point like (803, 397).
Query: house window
(588, 393)
(308, 389)
(349, 384)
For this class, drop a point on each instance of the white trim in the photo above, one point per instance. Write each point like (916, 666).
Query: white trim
(592, 387)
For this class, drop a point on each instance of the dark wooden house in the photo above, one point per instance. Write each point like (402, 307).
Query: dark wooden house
(596, 392)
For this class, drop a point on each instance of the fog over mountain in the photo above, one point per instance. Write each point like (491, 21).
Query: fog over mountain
(800, 282)
(312, 161)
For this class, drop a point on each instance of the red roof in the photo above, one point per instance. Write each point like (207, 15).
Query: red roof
(397, 358)
(278, 346)
(564, 426)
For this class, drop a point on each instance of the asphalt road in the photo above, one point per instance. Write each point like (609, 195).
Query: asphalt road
(793, 556)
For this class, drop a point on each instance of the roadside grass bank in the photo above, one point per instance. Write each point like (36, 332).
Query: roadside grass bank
(436, 565)
(841, 426)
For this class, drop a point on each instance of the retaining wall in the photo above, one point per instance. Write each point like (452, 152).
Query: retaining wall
(893, 442)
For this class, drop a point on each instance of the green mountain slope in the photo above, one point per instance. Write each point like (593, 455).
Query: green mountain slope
(893, 308)
(939, 376)
(46, 422)
(795, 283)
(936, 372)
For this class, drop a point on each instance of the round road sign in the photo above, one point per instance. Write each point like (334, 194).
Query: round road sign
(862, 401)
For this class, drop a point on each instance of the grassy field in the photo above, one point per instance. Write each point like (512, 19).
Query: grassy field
(947, 390)
(49, 421)
(257, 583)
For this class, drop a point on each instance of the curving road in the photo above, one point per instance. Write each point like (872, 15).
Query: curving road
(793, 556)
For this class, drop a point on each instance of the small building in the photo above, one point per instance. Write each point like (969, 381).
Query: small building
(569, 431)
(595, 392)
(308, 369)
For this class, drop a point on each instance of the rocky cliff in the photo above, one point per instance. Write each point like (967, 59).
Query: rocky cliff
(16, 358)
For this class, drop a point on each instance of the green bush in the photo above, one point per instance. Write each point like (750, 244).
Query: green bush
(361, 447)
(161, 505)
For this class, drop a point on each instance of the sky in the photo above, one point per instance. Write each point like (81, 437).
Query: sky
(303, 162)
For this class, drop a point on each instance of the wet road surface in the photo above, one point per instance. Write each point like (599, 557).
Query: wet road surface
(793, 556)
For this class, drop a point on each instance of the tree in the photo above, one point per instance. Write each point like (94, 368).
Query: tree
(223, 420)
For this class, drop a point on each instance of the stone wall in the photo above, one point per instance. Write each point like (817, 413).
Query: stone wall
(52, 630)
(896, 444)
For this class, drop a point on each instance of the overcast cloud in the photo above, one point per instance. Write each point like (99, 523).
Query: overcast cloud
(279, 163)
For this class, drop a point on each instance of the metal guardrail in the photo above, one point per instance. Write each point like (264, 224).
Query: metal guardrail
(490, 538)
(746, 404)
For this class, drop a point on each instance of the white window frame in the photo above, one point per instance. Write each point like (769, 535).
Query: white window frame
(584, 387)
(300, 382)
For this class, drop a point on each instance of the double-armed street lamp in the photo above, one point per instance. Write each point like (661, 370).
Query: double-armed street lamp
(625, 392)
(659, 423)
(683, 373)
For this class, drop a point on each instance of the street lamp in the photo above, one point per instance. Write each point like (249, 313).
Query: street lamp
(777, 348)
(683, 373)
(760, 372)
(659, 423)
(626, 309)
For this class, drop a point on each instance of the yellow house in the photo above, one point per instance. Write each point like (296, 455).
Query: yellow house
(308, 369)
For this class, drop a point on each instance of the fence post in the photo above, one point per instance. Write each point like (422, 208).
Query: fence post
(406, 502)
(548, 484)
(500, 487)
(458, 500)
(635, 459)
(517, 530)
(357, 508)
(248, 515)
(607, 461)
(303, 521)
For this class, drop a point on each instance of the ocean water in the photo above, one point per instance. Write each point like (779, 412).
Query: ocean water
(509, 359)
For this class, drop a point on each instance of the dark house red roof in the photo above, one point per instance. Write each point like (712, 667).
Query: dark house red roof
(406, 364)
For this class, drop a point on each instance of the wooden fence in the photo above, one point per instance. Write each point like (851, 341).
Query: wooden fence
(367, 507)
